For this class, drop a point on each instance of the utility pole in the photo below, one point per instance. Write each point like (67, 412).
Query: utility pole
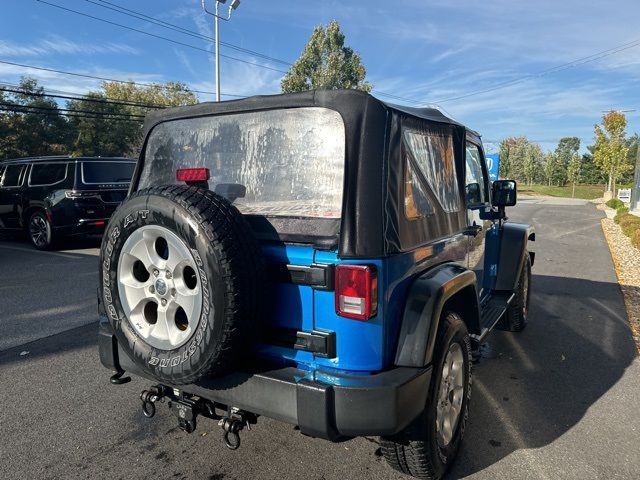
(233, 6)
(634, 205)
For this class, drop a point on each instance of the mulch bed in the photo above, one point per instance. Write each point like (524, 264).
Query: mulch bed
(626, 259)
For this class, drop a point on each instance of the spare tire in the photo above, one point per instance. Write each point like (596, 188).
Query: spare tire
(180, 276)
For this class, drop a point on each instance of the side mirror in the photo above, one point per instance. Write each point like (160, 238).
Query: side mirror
(504, 193)
(472, 194)
(231, 191)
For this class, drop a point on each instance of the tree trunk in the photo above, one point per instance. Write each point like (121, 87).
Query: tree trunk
(573, 192)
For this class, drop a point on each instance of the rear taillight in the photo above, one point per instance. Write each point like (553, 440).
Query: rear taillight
(192, 175)
(356, 291)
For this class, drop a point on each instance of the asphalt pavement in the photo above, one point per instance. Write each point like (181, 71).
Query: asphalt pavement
(558, 400)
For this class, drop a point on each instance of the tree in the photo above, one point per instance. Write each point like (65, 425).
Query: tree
(326, 63)
(30, 123)
(512, 153)
(531, 164)
(567, 148)
(115, 132)
(610, 149)
(573, 172)
(549, 167)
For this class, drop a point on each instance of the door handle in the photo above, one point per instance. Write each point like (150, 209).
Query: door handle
(472, 230)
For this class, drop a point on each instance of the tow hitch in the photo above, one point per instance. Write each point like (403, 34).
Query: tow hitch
(187, 407)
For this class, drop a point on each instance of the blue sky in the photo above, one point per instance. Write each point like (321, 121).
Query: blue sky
(429, 52)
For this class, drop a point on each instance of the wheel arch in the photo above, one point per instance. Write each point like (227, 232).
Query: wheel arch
(514, 244)
(30, 210)
(447, 286)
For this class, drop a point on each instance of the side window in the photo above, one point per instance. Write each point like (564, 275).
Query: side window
(434, 155)
(1, 173)
(416, 202)
(11, 177)
(476, 181)
(47, 173)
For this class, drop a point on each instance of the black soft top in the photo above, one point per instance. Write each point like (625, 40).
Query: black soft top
(344, 101)
(373, 222)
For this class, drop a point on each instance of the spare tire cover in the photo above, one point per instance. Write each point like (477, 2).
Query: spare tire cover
(180, 277)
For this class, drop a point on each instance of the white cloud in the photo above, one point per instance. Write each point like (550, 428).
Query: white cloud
(61, 46)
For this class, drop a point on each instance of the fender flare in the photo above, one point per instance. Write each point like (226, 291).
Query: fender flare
(513, 246)
(423, 308)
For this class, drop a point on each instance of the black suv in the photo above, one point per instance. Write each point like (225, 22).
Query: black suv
(52, 197)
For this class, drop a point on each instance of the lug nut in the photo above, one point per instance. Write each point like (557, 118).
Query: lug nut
(152, 289)
(168, 274)
(173, 292)
(156, 272)
(163, 302)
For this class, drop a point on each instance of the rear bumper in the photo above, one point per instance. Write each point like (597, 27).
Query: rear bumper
(323, 405)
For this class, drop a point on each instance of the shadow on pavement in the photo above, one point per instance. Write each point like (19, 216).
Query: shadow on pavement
(576, 346)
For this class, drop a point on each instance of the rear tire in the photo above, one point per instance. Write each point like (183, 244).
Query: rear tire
(426, 449)
(40, 231)
(518, 312)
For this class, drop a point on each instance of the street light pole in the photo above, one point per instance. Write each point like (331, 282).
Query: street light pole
(217, 30)
(234, 5)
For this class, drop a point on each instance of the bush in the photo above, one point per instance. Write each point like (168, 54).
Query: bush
(614, 203)
(621, 212)
(629, 224)
(635, 240)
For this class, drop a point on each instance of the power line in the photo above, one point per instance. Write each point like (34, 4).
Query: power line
(21, 109)
(77, 98)
(177, 42)
(170, 26)
(72, 110)
(105, 79)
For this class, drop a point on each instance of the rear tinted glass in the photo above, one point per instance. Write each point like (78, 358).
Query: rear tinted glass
(12, 175)
(107, 172)
(287, 162)
(47, 173)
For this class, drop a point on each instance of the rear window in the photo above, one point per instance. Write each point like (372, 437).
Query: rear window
(107, 172)
(11, 175)
(47, 173)
(290, 161)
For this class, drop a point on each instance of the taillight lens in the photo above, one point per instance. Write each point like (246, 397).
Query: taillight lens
(192, 174)
(81, 194)
(356, 291)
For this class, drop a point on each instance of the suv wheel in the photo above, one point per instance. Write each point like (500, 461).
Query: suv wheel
(427, 447)
(40, 231)
(518, 312)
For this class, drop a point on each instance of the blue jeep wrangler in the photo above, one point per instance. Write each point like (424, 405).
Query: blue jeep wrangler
(322, 258)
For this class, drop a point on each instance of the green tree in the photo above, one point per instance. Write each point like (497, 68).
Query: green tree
(512, 154)
(531, 162)
(109, 129)
(102, 129)
(610, 149)
(567, 148)
(573, 172)
(326, 63)
(549, 167)
(31, 124)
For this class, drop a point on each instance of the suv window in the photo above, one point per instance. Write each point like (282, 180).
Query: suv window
(291, 161)
(416, 201)
(11, 177)
(476, 181)
(107, 172)
(47, 173)
(434, 154)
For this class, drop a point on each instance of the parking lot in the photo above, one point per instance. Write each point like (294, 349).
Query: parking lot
(558, 400)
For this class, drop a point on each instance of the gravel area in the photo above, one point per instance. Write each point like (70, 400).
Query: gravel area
(626, 259)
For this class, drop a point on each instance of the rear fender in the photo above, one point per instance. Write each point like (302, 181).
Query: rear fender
(427, 298)
(513, 248)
